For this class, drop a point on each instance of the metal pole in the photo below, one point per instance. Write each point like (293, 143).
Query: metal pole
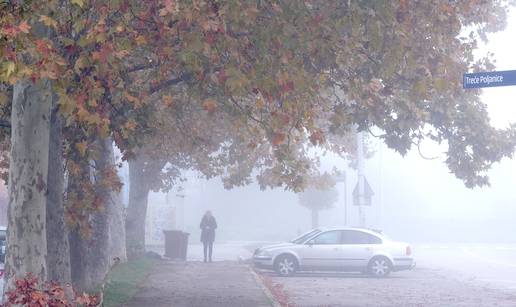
(361, 183)
(380, 194)
(345, 200)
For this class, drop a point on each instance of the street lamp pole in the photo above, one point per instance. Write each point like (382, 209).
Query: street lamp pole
(361, 179)
(342, 178)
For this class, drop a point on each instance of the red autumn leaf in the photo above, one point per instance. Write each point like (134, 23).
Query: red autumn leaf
(221, 77)
(287, 87)
(10, 31)
(24, 27)
(318, 18)
(209, 105)
(42, 47)
(102, 54)
(169, 7)
(211, 38)
(316, 137)
(278, 138)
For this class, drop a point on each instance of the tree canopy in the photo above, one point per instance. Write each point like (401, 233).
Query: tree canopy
(286, 74)
(232, 87)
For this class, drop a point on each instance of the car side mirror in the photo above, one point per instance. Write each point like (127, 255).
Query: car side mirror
(310, 243)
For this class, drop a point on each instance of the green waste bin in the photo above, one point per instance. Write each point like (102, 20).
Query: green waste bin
(176, 244)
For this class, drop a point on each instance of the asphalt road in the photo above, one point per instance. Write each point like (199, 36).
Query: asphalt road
(493, 265)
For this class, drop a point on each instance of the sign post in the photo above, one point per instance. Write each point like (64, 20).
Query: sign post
(489, 79)
(342, 178)
(368, 194)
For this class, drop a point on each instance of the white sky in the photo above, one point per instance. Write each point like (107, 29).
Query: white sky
(413, 187)
(501, 100)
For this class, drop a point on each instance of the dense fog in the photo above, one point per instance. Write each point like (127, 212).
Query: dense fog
(416, 199)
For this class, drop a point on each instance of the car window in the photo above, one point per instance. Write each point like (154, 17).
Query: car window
(304, 237)
(359, 237)
(330, 237)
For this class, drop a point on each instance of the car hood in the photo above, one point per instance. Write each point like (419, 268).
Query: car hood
(276, 246)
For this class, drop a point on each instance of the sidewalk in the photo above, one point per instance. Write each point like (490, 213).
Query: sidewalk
(198, 284)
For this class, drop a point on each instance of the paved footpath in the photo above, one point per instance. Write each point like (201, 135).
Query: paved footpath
(198, 284)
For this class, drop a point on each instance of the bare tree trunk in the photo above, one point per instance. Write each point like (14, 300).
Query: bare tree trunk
(58, 258)
(137, 209)
(28, 174)
(89, 257)
(78, 246)
(93, 257)
(117, 229)
(116, 213)
(315, 218)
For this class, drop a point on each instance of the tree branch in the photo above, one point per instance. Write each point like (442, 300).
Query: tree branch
(170, 82)
(140, 67)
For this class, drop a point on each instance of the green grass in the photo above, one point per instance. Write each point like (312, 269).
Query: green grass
(124, 280)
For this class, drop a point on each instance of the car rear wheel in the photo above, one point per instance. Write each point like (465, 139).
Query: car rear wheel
(285, 265)
(380, 267)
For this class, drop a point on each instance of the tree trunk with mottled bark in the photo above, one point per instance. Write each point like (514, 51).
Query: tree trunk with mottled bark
(58, 258)
(28, 175)
(137, 209)
(89, 256)
(116, 212)
(92, 257)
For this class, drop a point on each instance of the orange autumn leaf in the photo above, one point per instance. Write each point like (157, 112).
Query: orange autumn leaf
(168, 100)
(48, 21)
(24, 27)
(278, 139)
(81, 147)
(209, 105)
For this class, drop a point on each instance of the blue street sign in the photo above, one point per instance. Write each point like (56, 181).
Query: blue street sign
(489, 79)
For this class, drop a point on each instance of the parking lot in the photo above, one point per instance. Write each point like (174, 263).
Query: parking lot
(446, 275)
(420, 287)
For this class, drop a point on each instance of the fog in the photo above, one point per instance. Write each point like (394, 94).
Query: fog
(415, 199)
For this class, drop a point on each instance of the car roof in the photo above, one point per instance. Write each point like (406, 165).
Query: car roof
(371, 231)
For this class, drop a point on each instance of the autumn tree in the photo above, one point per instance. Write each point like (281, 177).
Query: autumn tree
(287, 73)
(316, 200)
(319, 195)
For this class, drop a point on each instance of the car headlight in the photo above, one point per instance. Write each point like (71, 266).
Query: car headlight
(262, 253)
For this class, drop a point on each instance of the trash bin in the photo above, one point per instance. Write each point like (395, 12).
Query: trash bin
(176, 244)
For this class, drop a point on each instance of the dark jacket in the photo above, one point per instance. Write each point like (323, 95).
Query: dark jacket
(208, 226)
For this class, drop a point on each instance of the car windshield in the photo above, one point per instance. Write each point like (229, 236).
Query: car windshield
(305, 236)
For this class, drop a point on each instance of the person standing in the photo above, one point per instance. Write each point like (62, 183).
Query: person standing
(208, 226)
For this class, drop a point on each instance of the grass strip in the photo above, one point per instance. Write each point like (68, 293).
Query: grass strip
(124, 280)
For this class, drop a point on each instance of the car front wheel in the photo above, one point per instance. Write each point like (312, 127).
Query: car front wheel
(380, 267)
(285, 265)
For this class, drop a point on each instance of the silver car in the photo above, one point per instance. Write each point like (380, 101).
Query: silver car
(337, 249)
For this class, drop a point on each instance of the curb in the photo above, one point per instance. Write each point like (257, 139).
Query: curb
(264, 288)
